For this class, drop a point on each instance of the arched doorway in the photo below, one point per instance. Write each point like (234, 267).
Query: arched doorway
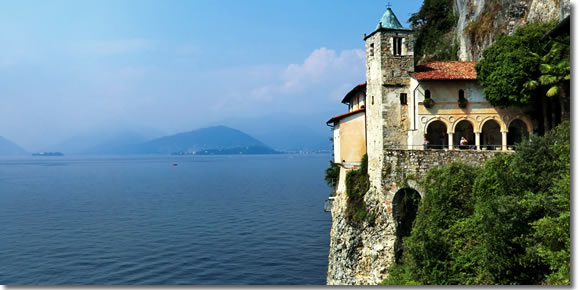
(405, 205)
(491, 135)
(463, 129)
(517, 132)
(437, 135)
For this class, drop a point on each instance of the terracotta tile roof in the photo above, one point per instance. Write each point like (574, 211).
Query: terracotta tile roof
(336, 118)
(359, 87)
(446, 70)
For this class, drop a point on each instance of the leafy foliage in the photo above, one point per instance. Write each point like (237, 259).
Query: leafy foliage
(510, 63)
(433, 25)
(506, 222)
(332, 174)
(357, 185)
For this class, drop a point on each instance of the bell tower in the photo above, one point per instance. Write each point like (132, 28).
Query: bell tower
(389, 56)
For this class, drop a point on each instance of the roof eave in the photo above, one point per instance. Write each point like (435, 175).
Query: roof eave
(339, 117)
(387, 30)
(354, 90)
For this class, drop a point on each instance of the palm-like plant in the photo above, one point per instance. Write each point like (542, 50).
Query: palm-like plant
(554, 74)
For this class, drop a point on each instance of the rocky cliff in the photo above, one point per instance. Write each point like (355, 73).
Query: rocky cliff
(480, 21)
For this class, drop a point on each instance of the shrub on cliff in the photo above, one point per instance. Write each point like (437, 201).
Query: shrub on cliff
(357, 185)
(332, 174)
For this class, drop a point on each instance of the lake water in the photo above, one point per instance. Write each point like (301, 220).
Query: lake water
(141, 220)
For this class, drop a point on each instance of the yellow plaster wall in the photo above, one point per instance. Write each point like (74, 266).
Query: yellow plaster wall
(352, 137)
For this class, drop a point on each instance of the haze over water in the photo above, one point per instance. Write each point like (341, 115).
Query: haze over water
(142, 220)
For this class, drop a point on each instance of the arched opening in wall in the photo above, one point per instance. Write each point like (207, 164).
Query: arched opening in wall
(436, 135)
(405, 205)
(491, 135)
(463, 129)
(517, 132)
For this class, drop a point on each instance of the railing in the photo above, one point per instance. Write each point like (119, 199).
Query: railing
(472, 147)
(328, 204)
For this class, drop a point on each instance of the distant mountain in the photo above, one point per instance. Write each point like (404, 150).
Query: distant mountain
(216, 139)
(289, 132)
(8, 147)
(98, 143)
(115, 143)
(248, 150)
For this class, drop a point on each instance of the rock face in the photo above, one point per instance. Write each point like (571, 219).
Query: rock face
(481, 21)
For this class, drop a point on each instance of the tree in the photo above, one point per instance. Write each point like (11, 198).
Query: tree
(523, 69)
(555, 74)
(509, 63)
(433, 25)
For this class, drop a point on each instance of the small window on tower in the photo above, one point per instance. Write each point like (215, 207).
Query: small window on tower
(372, 48)
(403, 97)
(397, 45)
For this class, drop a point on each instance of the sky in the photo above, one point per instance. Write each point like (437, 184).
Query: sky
(68, 68)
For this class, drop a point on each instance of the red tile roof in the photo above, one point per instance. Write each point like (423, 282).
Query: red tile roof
(359, 87)
(446, 70)
(336, 118)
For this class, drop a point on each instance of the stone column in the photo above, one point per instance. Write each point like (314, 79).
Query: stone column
(477, 141)
(450, 140)
(504, 140)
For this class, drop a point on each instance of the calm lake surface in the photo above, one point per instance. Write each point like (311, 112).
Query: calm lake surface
(141, 220)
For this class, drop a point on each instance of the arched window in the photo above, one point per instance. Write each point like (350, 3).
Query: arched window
(436, 136)
(517, 132)
(461, 99)
(463, 129)
(427, 94)
(491, 135)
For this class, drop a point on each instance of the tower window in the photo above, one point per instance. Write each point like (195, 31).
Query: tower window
(372, 48)
(403, 97)
(397, 45)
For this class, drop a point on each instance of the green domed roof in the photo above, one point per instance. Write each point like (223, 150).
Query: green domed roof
(390, 21)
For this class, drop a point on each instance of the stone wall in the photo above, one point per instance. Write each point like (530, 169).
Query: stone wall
(360, 254)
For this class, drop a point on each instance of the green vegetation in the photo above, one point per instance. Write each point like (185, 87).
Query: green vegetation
(433, 26)
(428, 103)
(357, 185)
(522, 69)
(506, 222)
(511, 62)
(332, 174)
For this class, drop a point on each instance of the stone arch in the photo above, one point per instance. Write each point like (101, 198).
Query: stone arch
(459, 120)
(405, 205)
(491, 137)
(502, 125)
(464, 127)
(436, 133)
(517, 131)
(525, 120)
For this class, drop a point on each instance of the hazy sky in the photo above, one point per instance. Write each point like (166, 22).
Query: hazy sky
(69, 67)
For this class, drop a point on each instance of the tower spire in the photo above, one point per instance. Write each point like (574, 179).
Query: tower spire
(389, 20)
